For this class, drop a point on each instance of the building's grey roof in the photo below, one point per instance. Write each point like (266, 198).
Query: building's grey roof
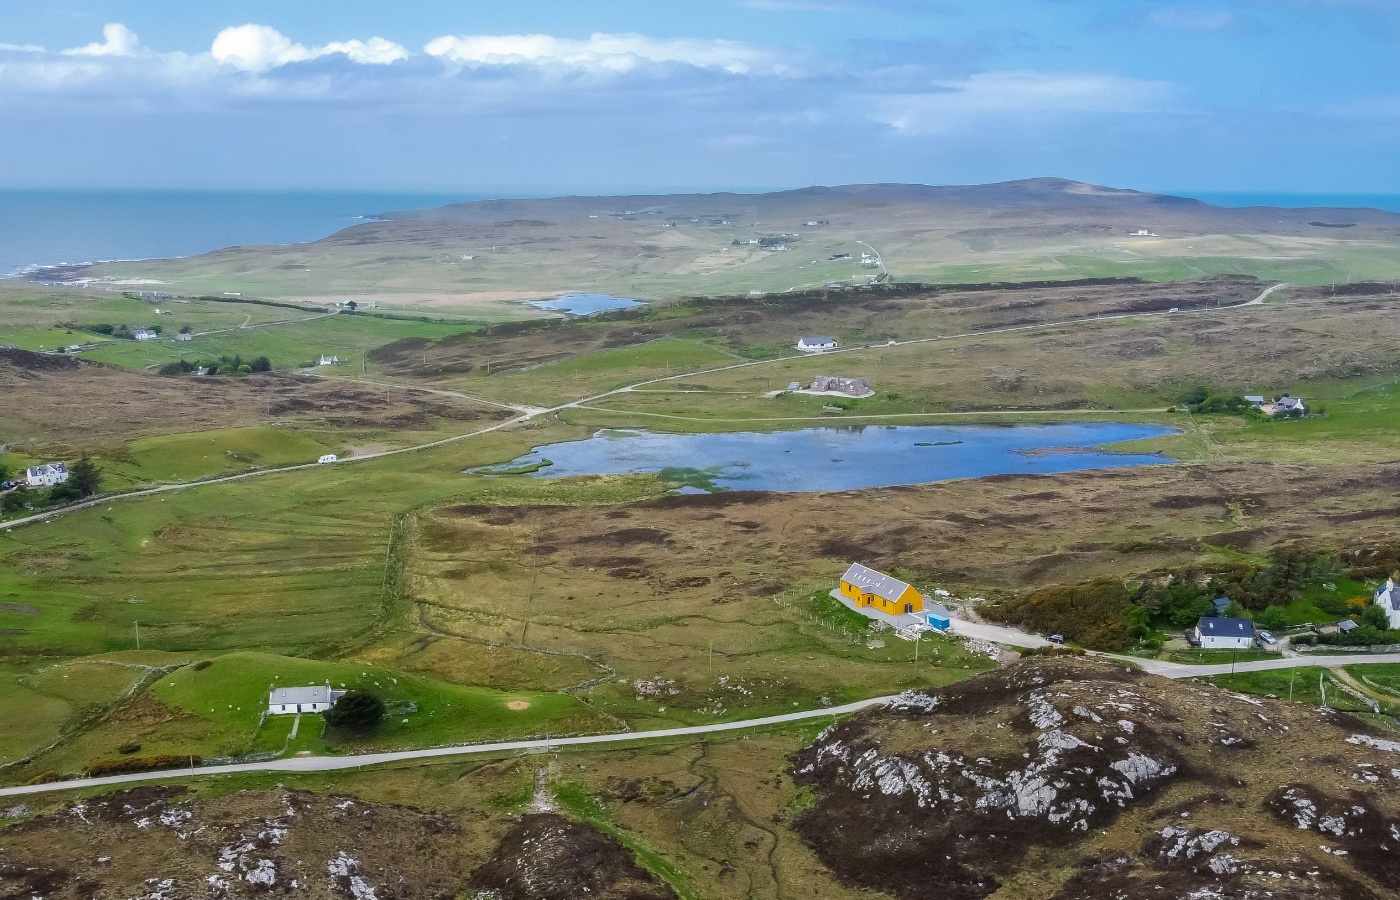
(1220, 626)
(1388, 594)
(1253, 398)
(315, 693)
(1347, 625)
(877, 583)
(57, 468)
(817, 340)
(1290, 403)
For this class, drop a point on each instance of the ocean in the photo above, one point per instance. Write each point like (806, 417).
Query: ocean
(56, 227)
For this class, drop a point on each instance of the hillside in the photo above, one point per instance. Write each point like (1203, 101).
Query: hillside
(486, 257)
(1078, 780)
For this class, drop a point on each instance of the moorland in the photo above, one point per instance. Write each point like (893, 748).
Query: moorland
(481, 604)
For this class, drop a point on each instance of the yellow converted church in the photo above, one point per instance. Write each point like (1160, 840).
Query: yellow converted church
(868, 587)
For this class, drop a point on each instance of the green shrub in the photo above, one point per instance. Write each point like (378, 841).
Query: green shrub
(1092, 613)
(357, 711)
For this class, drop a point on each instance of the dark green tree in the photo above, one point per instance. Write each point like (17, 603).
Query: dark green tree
(358, 711)
(261, 364)
(84, 477)
(1374, 616)
(13, 501)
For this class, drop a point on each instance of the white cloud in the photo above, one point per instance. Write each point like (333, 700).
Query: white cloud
(605, 52)
(1191, 20)
(258, 48)
(1017, 95)
(118, 40)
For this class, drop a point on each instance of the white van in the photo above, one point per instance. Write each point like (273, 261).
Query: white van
(328, 458)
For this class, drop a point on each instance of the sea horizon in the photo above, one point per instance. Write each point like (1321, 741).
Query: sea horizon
(49, 227)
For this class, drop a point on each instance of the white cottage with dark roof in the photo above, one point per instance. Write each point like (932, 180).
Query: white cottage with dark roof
(1222, 633)
(47, 475)
(817, 344)
(315, 698)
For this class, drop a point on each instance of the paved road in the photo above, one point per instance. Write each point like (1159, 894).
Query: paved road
(337, 763)
(985, 632)
(1180, 670)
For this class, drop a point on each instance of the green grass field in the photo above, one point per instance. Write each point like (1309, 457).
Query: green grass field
(1300, 685)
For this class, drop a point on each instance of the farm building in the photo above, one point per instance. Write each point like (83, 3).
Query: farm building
(314, 698)
(1291, 406)
(1387, 597)
(1220, 633)
(817, 344)
(46, 475)
(832, 384)
(885, 593)
(145, 334)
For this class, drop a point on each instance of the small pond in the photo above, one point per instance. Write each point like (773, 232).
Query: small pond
(842, 457)
(585, 304)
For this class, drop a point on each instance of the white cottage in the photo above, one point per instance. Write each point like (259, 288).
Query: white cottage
(1221, 633)
(817, 344)
(46, 475)
(1387, 597)
(316, 698)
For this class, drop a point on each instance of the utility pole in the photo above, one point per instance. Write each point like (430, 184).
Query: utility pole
(138, 635)
(712, 657)
(1292, 677)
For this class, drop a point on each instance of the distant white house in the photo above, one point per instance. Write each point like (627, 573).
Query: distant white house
(1387, 597)
(144, 334)
(46, 475)
(314, 698)
(329, 361)
(184, 336)
(328, 458)
(817, 344)
(1220, 633)
(1292, 406)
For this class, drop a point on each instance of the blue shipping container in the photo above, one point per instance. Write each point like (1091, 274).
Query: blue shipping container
(940, 622)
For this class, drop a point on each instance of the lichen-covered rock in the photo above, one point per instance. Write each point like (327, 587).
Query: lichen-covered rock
(946, 799)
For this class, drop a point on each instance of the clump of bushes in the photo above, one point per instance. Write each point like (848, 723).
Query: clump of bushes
(357, 711)
(1207, 401)
(224, 365)
(1092, 613)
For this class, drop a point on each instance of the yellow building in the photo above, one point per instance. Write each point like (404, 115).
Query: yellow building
(878, 590)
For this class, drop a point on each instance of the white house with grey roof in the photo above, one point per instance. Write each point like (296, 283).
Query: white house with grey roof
(817, 344)
(315, 698)
(1222, 633)
(1387, 597)
(47, 475)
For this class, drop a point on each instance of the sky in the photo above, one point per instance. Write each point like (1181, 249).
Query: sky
(535, 97)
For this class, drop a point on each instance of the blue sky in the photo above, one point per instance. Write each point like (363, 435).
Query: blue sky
(537, 96)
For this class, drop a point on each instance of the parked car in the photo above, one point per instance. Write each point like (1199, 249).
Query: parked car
(1265, 638)
(328, 458)
(1055, 638)
(6, 485)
